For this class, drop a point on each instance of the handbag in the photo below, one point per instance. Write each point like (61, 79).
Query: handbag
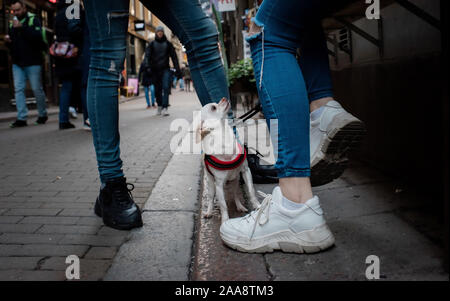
(63, 50)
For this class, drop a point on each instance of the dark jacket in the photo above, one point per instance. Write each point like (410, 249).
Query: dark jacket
(145, 75)
(27, 42)
(67, 31)
(157, 55)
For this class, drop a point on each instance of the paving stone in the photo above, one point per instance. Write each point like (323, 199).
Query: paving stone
(77, 212)
(42, 250)
(68, 229)
(23, 275)
(10, 219)
(19, 228)
(101, 253)
(22, 263)
(92, 240)
(18, 238)
(37, 212)
(53, 220)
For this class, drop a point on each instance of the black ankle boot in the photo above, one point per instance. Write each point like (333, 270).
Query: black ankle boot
(116, 206)
(261, 174)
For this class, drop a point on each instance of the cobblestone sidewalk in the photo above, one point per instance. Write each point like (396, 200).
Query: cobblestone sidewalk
(49, 183)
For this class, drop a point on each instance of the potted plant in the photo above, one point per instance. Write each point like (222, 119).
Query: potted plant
(241, 78)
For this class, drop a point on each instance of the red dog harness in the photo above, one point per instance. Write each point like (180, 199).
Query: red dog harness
(211, 161)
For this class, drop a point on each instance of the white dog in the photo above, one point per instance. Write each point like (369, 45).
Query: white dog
(224, 159)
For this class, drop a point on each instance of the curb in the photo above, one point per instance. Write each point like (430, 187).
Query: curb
(162, 248)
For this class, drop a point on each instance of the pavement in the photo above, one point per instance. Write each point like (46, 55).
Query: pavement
(50, 182)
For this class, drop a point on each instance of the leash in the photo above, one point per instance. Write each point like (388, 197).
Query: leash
(247, 115)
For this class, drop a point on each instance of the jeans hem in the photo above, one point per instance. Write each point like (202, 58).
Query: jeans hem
(319, 95)
(295, 173)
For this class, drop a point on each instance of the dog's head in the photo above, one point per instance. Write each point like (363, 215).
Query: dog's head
(212, 115)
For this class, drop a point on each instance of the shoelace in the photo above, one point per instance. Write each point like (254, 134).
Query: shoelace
(263, 208)
(123, 196)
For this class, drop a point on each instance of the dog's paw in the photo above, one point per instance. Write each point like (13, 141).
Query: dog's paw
(240, 207)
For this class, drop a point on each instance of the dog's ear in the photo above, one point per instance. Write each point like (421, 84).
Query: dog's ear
(200, 133)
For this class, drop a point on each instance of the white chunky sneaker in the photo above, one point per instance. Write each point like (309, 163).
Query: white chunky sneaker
(159, 110)
(165, 112)
(272, 227)
(332, 135)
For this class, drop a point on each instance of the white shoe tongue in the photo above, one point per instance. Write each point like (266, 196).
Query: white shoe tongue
(277, 195)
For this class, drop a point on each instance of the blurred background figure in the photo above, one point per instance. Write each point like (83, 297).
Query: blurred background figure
(26, 41)
(145, 78)
(69, 36)
(157, 55)
(186, 72)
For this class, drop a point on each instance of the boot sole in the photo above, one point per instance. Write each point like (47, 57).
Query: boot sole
(286, 241)
(344, 138)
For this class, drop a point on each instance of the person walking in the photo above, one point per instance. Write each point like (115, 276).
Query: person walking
(145, 78)
(300, 98)
(187, 78)
(158, 53)
(26, 41)
(68, 33)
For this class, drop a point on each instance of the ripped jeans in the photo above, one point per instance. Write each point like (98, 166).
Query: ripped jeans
(108, 26)
(286, 86)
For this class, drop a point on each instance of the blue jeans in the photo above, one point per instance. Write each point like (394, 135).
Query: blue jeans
(161, 81)
(33, 74)
(64, 100)
(286, 87)
(108, 25)
(149, 90)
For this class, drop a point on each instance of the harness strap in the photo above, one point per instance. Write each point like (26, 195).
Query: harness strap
(211, 161)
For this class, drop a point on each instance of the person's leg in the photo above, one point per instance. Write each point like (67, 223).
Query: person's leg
(291, 218)
(198, 34)
(20, 81)
(152, 90)
(157, 82)
(64, 100)
(147, 97)
(181, 84)
(35, 76)
(315, 67)
(108, 24)
(84, 101)
(333, 131)
(165, 81)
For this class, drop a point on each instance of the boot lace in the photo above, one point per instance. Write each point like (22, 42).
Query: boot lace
(122, 194)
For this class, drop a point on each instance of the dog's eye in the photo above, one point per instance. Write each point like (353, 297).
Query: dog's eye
(213, 108)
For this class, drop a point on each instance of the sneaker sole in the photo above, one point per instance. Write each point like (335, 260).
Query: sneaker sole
(346, 135)
(311, 241)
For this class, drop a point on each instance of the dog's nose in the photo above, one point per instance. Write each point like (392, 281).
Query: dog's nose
(222, 101)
